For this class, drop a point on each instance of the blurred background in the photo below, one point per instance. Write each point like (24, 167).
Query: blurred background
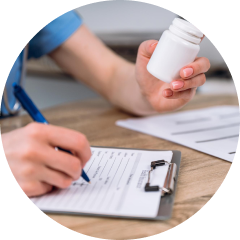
(121, 25)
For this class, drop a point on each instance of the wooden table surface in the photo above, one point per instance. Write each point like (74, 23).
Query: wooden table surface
(199, 178)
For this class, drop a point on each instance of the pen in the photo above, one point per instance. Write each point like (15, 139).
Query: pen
(35, 114)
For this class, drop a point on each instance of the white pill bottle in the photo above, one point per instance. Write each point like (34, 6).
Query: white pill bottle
(176, 48)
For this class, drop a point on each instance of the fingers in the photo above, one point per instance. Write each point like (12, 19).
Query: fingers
(147, 48)
(66, 163)
(187, 94)
(63, 162)
(181, 85)
(35, 188)
(61, 137)
(54, 178)
(36, 172)
(36, 164)
(192, 77)
(70, 140)
(200, 65)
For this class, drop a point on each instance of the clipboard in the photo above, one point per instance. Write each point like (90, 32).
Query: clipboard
(166, 203)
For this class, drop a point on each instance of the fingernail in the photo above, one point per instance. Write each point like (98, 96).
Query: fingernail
(177, 84)
(187, 72)
(168, 93)
(153, 44)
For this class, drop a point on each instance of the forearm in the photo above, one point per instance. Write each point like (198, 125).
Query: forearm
(88, 60)
(83, 56)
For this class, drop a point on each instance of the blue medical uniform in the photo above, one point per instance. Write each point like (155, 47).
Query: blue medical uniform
(45, 41)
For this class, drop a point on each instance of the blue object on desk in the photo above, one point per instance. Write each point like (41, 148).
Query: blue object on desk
(35, 114)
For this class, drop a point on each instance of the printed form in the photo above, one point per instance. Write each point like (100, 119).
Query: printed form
(213, 130)
(118, 178)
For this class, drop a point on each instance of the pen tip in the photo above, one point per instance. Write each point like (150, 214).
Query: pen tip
(89, 182)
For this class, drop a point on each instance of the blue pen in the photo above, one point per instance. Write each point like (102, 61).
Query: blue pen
(35, 114)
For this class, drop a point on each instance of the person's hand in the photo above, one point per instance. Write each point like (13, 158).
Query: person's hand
(162, 96)
(35, 163)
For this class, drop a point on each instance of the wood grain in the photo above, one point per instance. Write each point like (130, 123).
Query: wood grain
(199, 178)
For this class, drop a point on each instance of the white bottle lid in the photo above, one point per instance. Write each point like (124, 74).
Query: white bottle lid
(190, 38)
(187, 27)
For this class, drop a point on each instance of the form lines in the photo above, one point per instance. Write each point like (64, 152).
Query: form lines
(207, 129)
(217, 139)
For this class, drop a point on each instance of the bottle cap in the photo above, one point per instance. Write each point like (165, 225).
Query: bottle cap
(187, 27)
(184, 35)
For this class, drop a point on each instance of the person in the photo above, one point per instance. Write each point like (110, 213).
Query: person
(30, 151)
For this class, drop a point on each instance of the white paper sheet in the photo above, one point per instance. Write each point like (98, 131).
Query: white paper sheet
(213, 130)
(118, 177)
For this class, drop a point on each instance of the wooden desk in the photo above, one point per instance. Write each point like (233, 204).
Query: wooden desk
(200, 174)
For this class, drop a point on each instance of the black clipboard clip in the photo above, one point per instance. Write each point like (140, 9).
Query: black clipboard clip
(169, 183)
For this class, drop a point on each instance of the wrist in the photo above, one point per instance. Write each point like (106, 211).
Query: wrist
(125, 92)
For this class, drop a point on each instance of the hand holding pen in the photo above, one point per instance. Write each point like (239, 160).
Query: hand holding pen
(35, 163)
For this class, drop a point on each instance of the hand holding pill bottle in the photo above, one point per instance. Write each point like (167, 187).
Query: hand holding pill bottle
(176, 48)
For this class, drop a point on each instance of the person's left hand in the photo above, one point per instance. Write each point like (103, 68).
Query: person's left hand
(162, 96)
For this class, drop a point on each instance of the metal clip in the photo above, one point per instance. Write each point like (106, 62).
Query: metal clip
(169, 183)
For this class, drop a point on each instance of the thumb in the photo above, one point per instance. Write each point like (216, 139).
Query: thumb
(147, 48)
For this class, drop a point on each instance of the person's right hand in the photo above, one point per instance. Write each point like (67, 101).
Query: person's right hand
(35, 163)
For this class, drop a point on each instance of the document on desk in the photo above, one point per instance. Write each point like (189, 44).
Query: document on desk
(213, 130)
(118, 178)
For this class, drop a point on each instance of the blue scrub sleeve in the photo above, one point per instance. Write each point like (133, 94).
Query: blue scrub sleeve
(54, 34)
